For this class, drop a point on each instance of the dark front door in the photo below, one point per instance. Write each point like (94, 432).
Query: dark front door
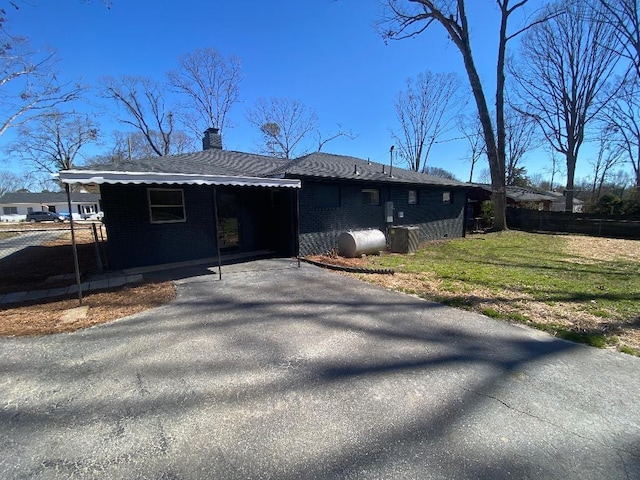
(229, 223)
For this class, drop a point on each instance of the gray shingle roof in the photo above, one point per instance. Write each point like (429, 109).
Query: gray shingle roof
(521, 194)
(326, 165)
(206, 162)
(47, 198)
(317, 165)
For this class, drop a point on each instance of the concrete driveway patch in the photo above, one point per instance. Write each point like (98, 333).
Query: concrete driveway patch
(286, 373)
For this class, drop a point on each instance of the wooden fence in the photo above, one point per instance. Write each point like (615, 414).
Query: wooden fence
(580, 223)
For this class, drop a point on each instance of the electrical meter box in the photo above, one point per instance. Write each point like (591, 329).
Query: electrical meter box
(388, 212)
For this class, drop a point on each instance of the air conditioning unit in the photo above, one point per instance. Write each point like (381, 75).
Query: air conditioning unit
(403, 239)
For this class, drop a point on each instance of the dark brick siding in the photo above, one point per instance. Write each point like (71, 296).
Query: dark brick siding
(134, 241)
(266, 223)
(320, 227)
(266, 219)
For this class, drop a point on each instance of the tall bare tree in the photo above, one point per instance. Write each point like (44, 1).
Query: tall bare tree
(284, 123)
(424, 111)
(29, 82)
(472, 131)
(408, 18)
(608, 156)
(210, 83)
(622, 119)
(562, 76)
(53, 141)
(145, 109)
(520, 138)
(624, 17)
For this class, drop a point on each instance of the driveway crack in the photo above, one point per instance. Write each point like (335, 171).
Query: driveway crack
(560, 427)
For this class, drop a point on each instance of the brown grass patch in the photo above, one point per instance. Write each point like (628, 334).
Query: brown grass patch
(47, 318)
(339, 261)
(603, 249)
(509, 305)
(517, 306)
(30, 269)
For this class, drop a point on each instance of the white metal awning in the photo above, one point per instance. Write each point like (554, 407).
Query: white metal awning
(94, 177)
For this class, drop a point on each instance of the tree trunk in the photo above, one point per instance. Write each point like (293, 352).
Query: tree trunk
(497, 171)
(499, 184)
(571, 170)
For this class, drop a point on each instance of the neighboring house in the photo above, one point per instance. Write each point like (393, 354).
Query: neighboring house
(164, 209)
(558, 204)
(522, 197)
(15, 206)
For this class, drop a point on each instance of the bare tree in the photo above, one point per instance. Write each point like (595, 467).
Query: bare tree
(554, 167)
(145, 109)
(520, 138)
(622, 119)
(210, 82)
(608, 156)
(324, 139)
(52, 142)
(624, 17)
(29, 83)
(439, 172)
(284, 124)
(565, 64)
(408, 18)
(424, 111)
(10, 182)
(132, 146)
(472, 131)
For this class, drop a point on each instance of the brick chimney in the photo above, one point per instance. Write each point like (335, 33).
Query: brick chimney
(212, 139)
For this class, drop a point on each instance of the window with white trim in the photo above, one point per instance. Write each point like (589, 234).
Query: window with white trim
(413, 197)
(447, 196)
(9, 210)
(166, 205)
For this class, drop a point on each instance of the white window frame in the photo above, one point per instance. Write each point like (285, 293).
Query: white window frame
(447, 196)
(152, 206)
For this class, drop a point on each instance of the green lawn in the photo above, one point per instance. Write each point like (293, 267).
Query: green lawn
(531, 278)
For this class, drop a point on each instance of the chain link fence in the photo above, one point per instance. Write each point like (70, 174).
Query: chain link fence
(40, 256)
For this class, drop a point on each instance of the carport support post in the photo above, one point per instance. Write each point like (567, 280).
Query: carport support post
(215, 217)
(296, 200)
(73, 244)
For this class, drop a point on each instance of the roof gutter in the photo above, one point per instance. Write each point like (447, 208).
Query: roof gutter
(95, 177)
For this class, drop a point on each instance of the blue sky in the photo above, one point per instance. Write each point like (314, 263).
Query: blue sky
(324, 53)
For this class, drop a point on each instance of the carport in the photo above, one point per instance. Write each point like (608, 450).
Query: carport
(163, 218)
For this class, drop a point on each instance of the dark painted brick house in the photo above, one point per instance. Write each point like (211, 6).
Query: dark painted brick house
(345, 193)
(193, 206)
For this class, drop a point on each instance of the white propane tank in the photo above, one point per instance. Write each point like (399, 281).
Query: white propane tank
(352, 244)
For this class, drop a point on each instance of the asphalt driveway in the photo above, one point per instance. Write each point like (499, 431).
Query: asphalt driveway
(277, 372)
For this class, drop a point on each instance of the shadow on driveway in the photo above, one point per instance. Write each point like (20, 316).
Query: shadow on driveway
(285, 372)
